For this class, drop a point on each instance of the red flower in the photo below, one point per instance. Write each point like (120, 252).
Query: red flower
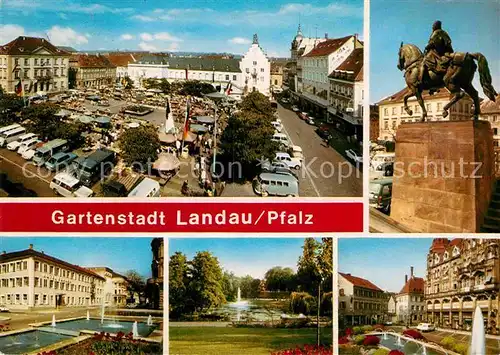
(412, 333)
(396, 352)
(343, 340)
(371, 340)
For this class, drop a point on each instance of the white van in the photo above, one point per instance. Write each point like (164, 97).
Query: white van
(31, 144)
(9, 128)
(277, 125)
(69, 186)
(24, 138)
(146, 188)
(381, 158)
(11, 135)
(281, 138)
(269, 184)
(43, 153)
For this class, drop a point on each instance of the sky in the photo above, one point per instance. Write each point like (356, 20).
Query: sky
(384, 262)
(244, 256)
(473, 26)
(119, 254)
(178, 25)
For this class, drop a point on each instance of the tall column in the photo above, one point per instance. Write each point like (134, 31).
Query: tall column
(31, 280)
(460, 313)
(441, 314)
(489, 318)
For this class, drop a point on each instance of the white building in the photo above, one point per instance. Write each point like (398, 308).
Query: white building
(36, 63)
(31, 279)
(256, 69)
(116, 287)
(121, 62)
(410, 301)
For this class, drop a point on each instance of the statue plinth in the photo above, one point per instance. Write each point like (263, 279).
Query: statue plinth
(443, 176)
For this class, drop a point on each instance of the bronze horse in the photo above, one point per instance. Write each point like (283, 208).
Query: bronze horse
(458, 77)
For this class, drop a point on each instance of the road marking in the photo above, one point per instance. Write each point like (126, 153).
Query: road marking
(23, 168)
(307, 171)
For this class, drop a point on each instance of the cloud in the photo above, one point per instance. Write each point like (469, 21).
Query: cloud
(127, 37)
(147, 47)
(239, 40)
(66, 36)
(57, 5)
(10, 32)
(160, 36)
(63, 16)
(146, 37)
(143, 18)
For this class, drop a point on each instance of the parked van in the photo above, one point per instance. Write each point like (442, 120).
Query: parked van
(269, 184)
(146, 188)
(11, 135)
(46, 151)
(281, 138)
(28, 145)
(380, 194)
(95, 166)
(381, 158)
(9, 128)
(277, 125)
(69, 186)
(24, 138)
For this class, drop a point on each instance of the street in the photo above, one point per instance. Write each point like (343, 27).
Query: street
(328, 173)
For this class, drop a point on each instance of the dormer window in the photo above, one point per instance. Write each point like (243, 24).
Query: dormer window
(456, 251)
(446, 255)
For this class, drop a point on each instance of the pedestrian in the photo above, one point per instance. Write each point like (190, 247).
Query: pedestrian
(178, 145)
(210, 142)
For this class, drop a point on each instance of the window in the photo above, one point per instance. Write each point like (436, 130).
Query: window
(37, 266)
(393, 109)
(261, 70)
(254, 63)
(234, 77)
(386, 112)
(439, 104)
(26, 281)
(227, 77)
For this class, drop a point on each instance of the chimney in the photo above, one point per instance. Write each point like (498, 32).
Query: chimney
(411, 272)
(406, 279)
(326, 35)
(31, 246)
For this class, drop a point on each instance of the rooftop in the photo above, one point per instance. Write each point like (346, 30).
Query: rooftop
(24, 45)
(488, 106)
(360, 282)
(194, 63)
(327, 47)
(41, 255)
(398, 97)
(91, 61)
(121, 60)
(413, 285)
(352, 66)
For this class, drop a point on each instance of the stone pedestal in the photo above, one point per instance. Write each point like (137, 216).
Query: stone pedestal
(443, 176)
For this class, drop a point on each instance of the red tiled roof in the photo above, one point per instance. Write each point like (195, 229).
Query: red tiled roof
(31, 252)
(327, 47)
(121, 60)
(91, 61)
(353, 64)
(413, 285)
(488, 106)
(358, 281)
(23, 45)
(398, 97)
(360, 75)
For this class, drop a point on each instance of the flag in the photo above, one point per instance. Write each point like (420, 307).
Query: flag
(228, 89)
(15, 67)
(31, 86)
(19, 89)
(213, 77)
(186, 74)
(186, 123)
(169, 122)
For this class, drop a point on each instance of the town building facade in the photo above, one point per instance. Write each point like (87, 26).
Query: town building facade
(277, 75)
(461, 275)
(360, 301)
(91, 71)
(490, 111)
(410, 302)
(121, 62)
(116, 288)
(392, 113)
(30, 279)
(256, 69)
(154, 288)
(35, 63)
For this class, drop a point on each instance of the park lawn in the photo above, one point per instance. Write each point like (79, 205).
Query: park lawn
(238, 341)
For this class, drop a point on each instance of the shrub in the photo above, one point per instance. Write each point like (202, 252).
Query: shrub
(367, 328)
(461, 348)
(378, 327)
(381, 351)
(343, 340)
(357, 330)
(358, 340)
(302, 302)
(448, 342)
(396, 352)
(306, 350)
(326, 304)
(412, 333)
(371, 340)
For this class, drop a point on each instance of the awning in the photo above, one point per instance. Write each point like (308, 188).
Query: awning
(63, 113)
(85, 119)
(190, 137)
(216, 96)
(102, 120)
(205, 119)
(93, 98)
(167, 138)
(133, 125)
(166, 162)
(198, 128)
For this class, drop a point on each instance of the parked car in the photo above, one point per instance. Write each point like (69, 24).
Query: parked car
(295, 109)
(426, 327)
(380, 194)
(3, 309)
(277, 125)
(31, 144)
(295, 151)
(14, 145)
(293, 163)
(281, 138)
(278, 167)
(351, 154)
(310, 121)
(68, 186)
(268, 184)
(324, 133)
(59, 161)
(303, 115)
(388, 323)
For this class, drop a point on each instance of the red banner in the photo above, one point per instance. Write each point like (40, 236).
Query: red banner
(181, 217)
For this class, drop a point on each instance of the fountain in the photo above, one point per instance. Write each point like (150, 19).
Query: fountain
(53, 320)
(135, 332)
(102, 311)
(385, 336)
(150, 320)
(478, 341)
(88, 315)
(399, 342)
(239, 295)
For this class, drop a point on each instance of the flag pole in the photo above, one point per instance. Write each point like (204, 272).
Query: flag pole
(185, 124)
(215, 142)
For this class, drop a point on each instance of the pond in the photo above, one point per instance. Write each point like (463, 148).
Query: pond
(23, 343)
(408, 347)
(109, 326)
(248, 311)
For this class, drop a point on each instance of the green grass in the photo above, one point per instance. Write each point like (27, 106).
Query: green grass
(240, 341)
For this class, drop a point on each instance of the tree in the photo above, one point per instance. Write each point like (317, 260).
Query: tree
(316, 263)
(230, 284)
(254, 288)
(129, 83)
(140, 145)
(177, 283)
(42, 119)
(161, 84)
(195, 88)
(10, 106)
(257, 103)
(280, 279)
(136, 281)
(205, 286)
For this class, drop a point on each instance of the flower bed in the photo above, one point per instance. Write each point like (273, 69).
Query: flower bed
(138, 110)
(106, 344)
(412, 333)
(306, 350)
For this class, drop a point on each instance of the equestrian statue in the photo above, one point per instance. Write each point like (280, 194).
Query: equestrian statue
(441, 67)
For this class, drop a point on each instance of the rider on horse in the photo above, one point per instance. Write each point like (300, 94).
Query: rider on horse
(437, 53)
